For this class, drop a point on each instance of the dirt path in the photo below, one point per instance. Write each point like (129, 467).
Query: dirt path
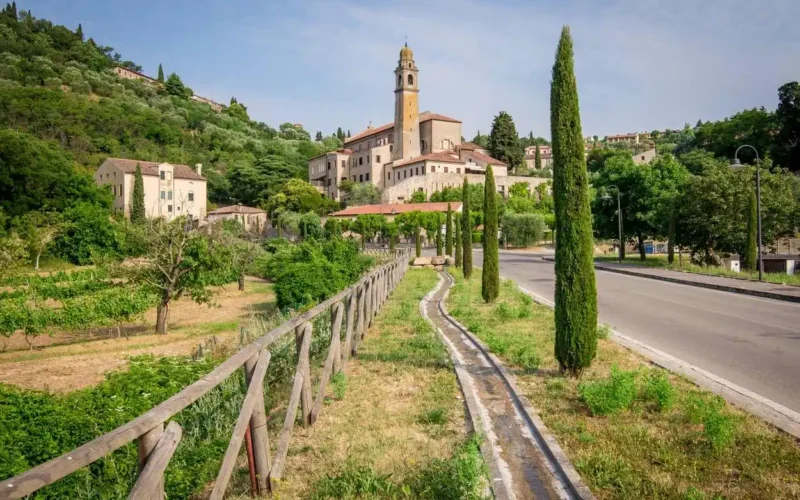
(518, 467)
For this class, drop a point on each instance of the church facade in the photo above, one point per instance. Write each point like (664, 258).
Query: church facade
(416, 152)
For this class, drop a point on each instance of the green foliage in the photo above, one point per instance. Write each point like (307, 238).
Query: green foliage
(361, 193)
(88, 233)
(610, 395)
(12, 253)
(418, 197)
(449, 230)
(659, 390)
(719, 427)
(160, 77)
(787, 148)
(522, 230)
(477, 237)
(138, 214)
(537, 159)
(504, 141)
(459, 243)
(466, 231)
(575, 291)
(369, 225)
(174, 86)
(490, 276)
(418, 242)
(313, 271)
(439, 240)
(339, 384)
(750, 260)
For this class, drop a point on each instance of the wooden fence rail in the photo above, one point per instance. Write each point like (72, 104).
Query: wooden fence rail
(353, 309)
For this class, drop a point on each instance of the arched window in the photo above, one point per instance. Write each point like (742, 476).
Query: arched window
(411, 79)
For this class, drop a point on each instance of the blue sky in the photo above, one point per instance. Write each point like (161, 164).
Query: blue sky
(640, 64)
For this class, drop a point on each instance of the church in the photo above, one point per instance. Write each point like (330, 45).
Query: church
(416, 152)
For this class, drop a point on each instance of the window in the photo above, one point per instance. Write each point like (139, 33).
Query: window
(361, 178)
(433, 168)
(163, 175)
(391, 147)
(423, 170)
(329, 165)
(191, 196)
(115, 175)
(163, 195)
(642, 157)
(367, 160)
(378, 158)
(411, 79)
(458, 170)
(120, 189)
(367, 175)
(343, 164)
(115, 189)
(169, 208)
(360, 160)
(354, 178)
(399, 80)
(445, 169)
(329, 183)
(389, 175)
(411, 172)
(169, 195)
(417, 170)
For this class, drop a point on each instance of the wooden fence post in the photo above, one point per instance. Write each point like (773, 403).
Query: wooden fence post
(258, 431)
(150, 483)
(306, 400)
(146, 444)
(348, 335)
(337, 315)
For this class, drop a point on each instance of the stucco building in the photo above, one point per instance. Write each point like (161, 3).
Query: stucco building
(169, 190)
(416, 152)
(252, 219)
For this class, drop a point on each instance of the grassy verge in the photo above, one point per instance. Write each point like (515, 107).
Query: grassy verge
(393, 426)
(660, 261)
(632, 430)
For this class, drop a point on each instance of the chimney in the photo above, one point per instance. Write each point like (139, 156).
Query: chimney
(198, 167)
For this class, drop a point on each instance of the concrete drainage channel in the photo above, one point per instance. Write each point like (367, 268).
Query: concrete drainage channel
(524, 459)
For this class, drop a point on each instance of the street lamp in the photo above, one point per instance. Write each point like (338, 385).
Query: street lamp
(737, 165)
(619, 216)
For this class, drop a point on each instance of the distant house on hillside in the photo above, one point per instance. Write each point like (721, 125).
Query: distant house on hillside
(644, 157)
(169, 190)
(252, 219)
(129, 74)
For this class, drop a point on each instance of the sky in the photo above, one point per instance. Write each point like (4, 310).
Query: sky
(640, 64)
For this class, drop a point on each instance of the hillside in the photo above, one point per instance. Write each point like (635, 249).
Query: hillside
(66, 106)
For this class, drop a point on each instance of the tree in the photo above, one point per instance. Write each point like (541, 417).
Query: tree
(38, 230)
(522, 230)
(12, 254)
(466, 232)
(340, 134)
(439, 240)
(418, 197)
(537, 159)
(318, 137)
(787, 152)
(504, 141)
(160, 78)
(361, 193)
(179, 261)
(174, 86)
(490, 279)
(459, 243)
(138, 215)
(751, 248)
(575, 290)
(348, 133)
(244, 250)
(418, 242)
(449, 228)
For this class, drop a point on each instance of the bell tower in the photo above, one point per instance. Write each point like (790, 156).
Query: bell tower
(406, 107)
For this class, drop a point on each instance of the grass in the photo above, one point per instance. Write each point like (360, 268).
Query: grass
(398, 430)
(633, 430)
(660, 261)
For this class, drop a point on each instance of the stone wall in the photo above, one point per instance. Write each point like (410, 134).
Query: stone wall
(432, 182)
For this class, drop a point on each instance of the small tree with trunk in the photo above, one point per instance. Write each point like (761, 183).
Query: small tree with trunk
(466, 232)
(180, 260)
(448, 247)
(575, 290)
(138, 215)
(12, 254)
(38, 230)
(490, 277)
(244, 249)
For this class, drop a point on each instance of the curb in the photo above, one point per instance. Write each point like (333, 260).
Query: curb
(774, 413)
(498, 480)
(698, 284)
(557, 459)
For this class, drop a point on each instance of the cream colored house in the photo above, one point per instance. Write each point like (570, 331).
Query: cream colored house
(252, 219)
(416, 152)
(169, 190)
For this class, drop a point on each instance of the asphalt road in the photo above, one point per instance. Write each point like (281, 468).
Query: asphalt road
(752, 342)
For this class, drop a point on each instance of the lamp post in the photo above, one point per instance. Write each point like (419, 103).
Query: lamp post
(619, 216)
(737, 165)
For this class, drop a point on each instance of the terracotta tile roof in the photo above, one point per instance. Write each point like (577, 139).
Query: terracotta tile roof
(389, 126)
(397, 208)
(444, 157)
(488, 159)
(151, 168)
(470, 146)
(237, 209)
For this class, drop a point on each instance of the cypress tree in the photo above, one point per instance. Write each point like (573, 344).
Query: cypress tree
(537, 162)
(490, 278)
(448, 247)
(459, 243)
(751, 251)
(466, 232)
(418, 242)
(138, 215)
(160, 74)
(391, 242)
(439, 240)
(79, 32)
(575, 290)
(504, 141)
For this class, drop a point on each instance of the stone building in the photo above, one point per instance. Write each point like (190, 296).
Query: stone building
(129, 74)
(416, 152)
(252, 219)
(169, 190)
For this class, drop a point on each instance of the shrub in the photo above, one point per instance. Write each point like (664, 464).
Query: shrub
(434, 416)
(477, 236)
(526, 357)
(522, 230)
(609, 395)
(719, 429)
(603, 331)
(659, 390)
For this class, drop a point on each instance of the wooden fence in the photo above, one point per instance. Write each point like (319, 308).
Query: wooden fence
(353, 309)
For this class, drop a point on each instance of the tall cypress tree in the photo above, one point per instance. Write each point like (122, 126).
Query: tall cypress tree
(138, 215)
(448, 247)
(466, 232)
(439, 239)
(576, 292)
(418, 242)
(537, 162)
(459, 243)
(490, 278)
(160, 74)
(751, 250)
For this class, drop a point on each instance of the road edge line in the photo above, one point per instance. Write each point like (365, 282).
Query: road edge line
(774, 413)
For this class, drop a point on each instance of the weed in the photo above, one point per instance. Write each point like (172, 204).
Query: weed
(503, 311)
(434, 416)
(719, 428)
(609, 395)
(355, 483)
(339, 382)
(659, 390)
(556, 386)
(693, 493)
(526, 357)
(603, 331)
